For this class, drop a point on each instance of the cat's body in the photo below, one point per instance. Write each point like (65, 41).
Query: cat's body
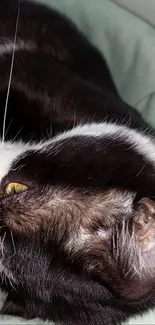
(76, 246)
(54, 67)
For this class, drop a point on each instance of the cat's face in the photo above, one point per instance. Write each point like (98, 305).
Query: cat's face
(50, 227)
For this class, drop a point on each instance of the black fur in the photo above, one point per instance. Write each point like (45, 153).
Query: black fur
(60, 83)
(64, 81)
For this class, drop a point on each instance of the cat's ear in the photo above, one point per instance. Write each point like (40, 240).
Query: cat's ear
(135, 250)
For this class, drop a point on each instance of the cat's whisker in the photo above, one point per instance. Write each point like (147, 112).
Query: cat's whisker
(140, 170)
(13, 243)
(17, 134)
(11, 72)
(2, 277)
(50, 132)
(11, 283)
(7, 130)
(2, 244)
(14, 247)
(18, 168)
(74, 124)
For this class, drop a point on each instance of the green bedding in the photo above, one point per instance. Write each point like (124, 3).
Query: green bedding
(128, 45)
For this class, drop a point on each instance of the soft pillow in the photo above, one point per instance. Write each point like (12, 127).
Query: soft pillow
(127, 42)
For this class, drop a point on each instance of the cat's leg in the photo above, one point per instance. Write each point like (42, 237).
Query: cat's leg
(19, 304)
(13, 305)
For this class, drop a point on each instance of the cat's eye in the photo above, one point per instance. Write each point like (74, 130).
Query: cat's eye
(13, 188)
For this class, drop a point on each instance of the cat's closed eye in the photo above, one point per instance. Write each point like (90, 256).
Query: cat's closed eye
(14, 188)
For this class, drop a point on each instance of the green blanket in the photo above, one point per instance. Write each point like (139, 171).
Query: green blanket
(127, 43)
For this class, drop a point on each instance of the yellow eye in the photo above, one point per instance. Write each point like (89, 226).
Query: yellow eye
(13, 188)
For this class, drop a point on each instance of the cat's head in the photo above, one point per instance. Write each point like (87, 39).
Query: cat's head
(53, 229)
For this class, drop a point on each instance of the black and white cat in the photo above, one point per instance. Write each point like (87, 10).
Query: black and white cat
(77, 180)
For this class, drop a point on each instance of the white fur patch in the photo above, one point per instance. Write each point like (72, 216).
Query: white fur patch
(144, 144)
(78, 240)
(103, 234)
(8, 153)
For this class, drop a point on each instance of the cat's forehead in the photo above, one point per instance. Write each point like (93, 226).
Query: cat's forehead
(10, 152)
